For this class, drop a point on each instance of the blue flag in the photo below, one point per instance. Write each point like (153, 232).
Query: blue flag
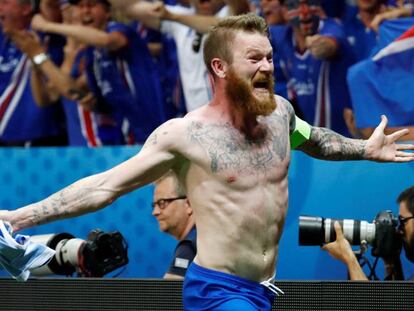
(384, 83)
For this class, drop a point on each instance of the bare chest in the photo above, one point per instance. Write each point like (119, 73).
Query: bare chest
(229, 155)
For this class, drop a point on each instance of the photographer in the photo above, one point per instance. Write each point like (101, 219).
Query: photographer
(341, 248)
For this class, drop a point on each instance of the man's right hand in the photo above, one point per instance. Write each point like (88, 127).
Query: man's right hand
(27, 42)
(339, 249)
(5, 215)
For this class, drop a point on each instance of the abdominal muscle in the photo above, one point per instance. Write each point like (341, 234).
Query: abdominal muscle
(238, 231)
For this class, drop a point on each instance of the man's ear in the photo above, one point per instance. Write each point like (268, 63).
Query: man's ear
(219, 67)
(188, 207)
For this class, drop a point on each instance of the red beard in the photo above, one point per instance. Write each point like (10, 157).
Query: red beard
(242, 98)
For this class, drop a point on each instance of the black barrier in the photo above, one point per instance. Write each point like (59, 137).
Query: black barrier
(142, 294)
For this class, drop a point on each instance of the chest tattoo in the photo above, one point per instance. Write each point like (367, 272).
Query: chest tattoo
(229, 150)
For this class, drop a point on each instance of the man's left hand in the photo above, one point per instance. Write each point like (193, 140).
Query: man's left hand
(383, 148)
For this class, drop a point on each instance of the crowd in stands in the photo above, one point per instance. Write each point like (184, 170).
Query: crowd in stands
(108, 72)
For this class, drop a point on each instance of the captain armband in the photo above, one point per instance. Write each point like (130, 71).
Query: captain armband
(300, 134)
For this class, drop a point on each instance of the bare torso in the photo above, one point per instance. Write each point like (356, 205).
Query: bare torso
(238, 191)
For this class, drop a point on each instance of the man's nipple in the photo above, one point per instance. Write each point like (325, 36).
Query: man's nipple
(231, 179)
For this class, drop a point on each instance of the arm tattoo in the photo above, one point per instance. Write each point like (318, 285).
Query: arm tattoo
(56, 206)
(328, 145)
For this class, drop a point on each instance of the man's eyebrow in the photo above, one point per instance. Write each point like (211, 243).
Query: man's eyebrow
(259, 51)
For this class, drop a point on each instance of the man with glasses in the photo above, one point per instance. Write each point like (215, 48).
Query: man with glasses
(175, 216)
(341, 249)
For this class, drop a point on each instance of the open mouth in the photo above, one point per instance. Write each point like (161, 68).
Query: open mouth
(86, 21)
(262, 84)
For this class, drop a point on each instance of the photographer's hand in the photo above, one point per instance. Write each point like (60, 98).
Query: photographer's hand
(341, 250)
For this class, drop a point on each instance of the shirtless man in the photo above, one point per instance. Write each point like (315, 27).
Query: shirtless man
(232, 156)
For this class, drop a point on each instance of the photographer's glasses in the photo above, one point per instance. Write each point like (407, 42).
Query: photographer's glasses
(163, 203)
(403, 220)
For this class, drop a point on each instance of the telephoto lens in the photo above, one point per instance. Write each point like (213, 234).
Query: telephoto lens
(318, 230)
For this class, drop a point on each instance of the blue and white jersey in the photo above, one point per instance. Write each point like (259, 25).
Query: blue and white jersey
(90, 128)
(20, 118)
(128, 81)
(277, 39)
(167, 66)
(319, 87)
(361, 39)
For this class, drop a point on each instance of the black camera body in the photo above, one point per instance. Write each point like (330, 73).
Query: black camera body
(103, 253)
(100, 254)
(387, 238)
(382, 234)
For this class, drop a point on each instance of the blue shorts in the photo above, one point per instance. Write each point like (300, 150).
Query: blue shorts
(206, 289)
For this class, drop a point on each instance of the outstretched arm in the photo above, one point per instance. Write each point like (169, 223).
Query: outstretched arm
(143, 11)
(88, 35)
(203, 23)
(326, 144)
(341, 250)
(92, 193)
(151, 14)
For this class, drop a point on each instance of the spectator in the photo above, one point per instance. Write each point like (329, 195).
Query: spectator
(89, 122)
(274, 15)
(273, 12)
(377, 75)
(177, 21)
(164, 52)
(22, 123)
(118, 63)
(402, 9)
(357, 27)
(315, 57)
(341, 249)
(175, 217)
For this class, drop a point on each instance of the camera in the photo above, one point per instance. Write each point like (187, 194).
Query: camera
(100, 254)
(382, 234)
